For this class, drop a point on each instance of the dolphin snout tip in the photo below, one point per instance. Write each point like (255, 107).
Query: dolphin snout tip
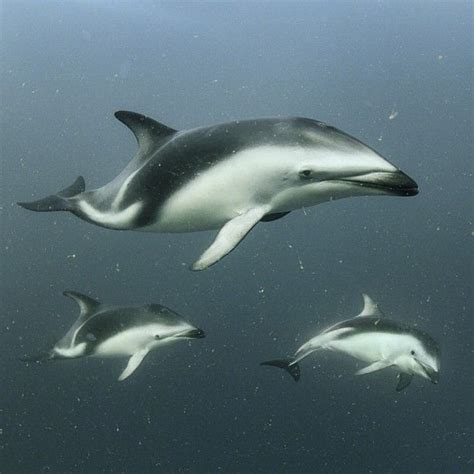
(196, 333)
(434, 377)
(405, 185)
(411, 191)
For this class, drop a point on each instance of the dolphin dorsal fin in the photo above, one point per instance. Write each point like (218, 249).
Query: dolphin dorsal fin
(87, 305)
(148, 132)
(371, 308)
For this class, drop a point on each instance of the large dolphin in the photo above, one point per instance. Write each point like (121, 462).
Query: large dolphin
(228, 177)
(378, 341)
(103, 330)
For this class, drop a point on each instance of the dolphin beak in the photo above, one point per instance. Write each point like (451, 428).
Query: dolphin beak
(434, 377)
(392, 182)
(195, 333)
(431, 374)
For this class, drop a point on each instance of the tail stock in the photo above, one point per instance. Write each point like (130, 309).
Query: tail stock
(39, 357)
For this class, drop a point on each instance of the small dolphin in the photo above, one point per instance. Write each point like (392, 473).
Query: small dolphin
(228, 177)
(115, 331)
(382, 343)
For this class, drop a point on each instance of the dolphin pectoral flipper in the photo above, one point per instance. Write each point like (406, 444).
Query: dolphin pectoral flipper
(404, 380)
(133, 363)
(379, 365)
(273, 217)
(230, 235)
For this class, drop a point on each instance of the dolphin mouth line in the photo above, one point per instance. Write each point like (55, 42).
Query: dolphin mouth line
(392, 182)
(399, 190)
(193, 334)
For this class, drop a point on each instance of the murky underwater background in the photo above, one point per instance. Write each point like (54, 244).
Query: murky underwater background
(398, 75)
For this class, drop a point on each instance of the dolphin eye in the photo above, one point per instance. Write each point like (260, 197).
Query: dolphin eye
(412, 353)
(305, 174)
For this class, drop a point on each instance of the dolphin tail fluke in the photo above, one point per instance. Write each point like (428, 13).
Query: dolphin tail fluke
(292, 368)
(59, 201)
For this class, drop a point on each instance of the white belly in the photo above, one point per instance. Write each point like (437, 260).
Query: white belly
(247, 179)
(125, 343)
(368, 347)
